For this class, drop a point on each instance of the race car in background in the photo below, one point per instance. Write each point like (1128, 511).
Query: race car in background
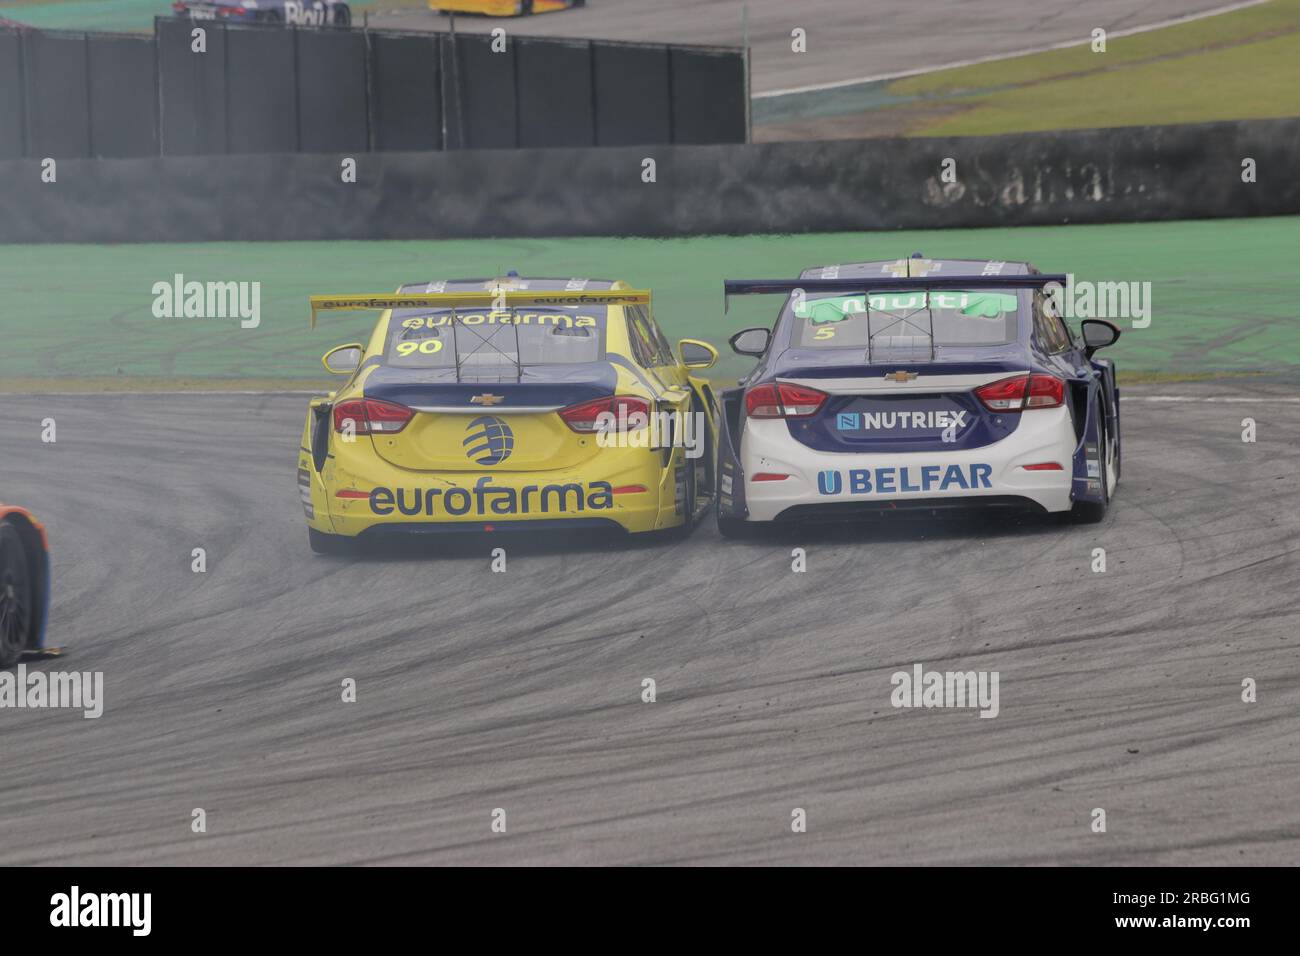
(503, 8)
(917, 384)
(508, 404)
(294, 12)
(24, 584)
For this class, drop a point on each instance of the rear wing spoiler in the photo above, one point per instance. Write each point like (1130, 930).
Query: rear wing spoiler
(863, 285)
(495, 300)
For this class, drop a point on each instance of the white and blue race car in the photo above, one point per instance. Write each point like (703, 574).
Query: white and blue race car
(317, 13)
(917, 384)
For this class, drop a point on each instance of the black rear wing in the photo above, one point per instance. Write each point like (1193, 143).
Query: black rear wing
(865, 284)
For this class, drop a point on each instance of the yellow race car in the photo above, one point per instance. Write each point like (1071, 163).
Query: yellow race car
(503, 8)
(508, 404)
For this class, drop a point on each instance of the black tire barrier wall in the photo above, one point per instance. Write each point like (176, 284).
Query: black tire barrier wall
(482, 108)
(406, 93)
(191, 91)
(123, 113)
(261, 91)
(333, 112)
(719, 119)
(57, 84)
(13, 138)
(629, 112)
(1075, 176)
(557, 99)
(274, 89)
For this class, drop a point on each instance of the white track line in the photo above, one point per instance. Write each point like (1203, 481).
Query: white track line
(1064, 44)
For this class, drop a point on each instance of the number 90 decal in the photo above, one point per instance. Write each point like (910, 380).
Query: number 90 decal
(424, 347)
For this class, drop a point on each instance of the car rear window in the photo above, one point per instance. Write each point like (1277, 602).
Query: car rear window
(904, 319)
(486, 339)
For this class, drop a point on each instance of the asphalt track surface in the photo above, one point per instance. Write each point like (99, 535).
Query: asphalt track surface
(521, 690)
(847, 39)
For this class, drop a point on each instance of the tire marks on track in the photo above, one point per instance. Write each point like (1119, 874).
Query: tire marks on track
(522, 690)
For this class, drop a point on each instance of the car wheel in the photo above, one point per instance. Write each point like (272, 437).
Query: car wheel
(1091, 512)
(690, 492)
(323, 543)
(15, 596)
(342, 15)
(1114, 464)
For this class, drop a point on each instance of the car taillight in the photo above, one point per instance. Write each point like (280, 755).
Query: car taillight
(1045, 391)
(370, 416)
(583, 417)
(783, 400)
(1022, 392)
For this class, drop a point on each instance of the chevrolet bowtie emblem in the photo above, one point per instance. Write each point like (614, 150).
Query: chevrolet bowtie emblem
(900, 376)
(487, 398)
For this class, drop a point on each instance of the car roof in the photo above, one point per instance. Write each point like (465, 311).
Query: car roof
(917, 266)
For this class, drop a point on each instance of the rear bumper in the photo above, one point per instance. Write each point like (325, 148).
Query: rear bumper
(992, 475)
(461, 527)
(358, 492)
(903, 507)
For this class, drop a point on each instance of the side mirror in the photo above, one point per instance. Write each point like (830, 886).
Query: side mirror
(751, 342)
(1097, 334)
(697, 354)
(343, 359)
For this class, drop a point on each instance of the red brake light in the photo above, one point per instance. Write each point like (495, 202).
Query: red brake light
(1022, 392)
(761, 402)
(783, 400)
(582, 417)
(1045, 391)
(1004, 396)
(370, 416)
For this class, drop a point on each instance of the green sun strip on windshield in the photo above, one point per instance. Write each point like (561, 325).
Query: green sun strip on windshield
(984, 305)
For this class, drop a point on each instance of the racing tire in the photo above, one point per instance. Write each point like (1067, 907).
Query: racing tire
(16, 606)
(323, 543)
(684, 529)
(342, 15)
(1092, 512)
